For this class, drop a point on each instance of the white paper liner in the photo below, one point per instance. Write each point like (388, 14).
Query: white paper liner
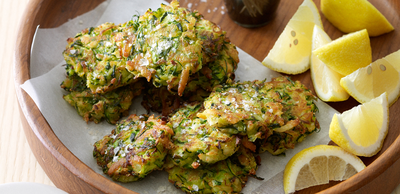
(47, 73)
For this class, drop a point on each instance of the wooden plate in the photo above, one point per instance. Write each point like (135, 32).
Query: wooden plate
(67, 172)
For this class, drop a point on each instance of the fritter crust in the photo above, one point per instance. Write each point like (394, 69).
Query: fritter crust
(241, 108)
(299, 112)
(135, 148)
(110, 106)
(195, 142)
(98, 54)
(226, 176)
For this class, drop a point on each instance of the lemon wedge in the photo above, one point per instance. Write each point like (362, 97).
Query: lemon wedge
(369, 82)
(347, 53)
(318, 165)
(291, 52)
(362, 129)
(326, 81)
(355, 15)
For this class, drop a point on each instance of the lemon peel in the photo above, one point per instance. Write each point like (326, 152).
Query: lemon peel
(347, 53)
(351, 16)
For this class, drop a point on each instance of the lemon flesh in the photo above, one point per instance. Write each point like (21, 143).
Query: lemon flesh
(347, 53)
(351, 16)
(291, 52)
(326, 81)
(362, 129)
(318, 165)
(383, 75)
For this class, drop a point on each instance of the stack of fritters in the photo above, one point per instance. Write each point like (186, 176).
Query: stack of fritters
(172, 44)
(251, 117)
(173, 48)
(185, 65)
(214, 142)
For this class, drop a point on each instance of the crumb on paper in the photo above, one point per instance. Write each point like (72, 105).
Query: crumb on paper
(189, 5)
(222, 7)
(222, 12)
(161, 189)
(96, 134)
(208, 10)
(215, 9)
(166, 189)
(204, 1)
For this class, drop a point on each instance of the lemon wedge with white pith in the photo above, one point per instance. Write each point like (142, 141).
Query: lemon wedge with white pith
(326, 81)
(347, 53)
(369, 82)
(362, 129)
(291, 52)
(318, 165)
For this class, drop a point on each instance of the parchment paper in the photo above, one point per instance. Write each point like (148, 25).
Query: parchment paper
(47, 73)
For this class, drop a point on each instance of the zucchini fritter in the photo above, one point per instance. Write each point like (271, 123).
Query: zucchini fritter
(241, 108)
(110, 106)
(278, 114)
(99, 56)
(226, 176)
(195, 142)
(173, 43)
(135, 148)
(298, 112)
(167, 47)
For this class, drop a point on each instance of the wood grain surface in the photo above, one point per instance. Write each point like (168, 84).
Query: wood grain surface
(68, 173)
(17, 162)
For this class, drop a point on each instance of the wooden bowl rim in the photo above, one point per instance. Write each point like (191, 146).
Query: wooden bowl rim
(47, 137)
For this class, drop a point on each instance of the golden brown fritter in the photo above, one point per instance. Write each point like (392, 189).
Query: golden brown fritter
(167, 46)
(110, 106)
(195, 142)
(226, 176)
(135, 148)
(278, 113)
(299, 112)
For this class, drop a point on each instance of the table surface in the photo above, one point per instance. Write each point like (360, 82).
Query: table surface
(17, 162)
